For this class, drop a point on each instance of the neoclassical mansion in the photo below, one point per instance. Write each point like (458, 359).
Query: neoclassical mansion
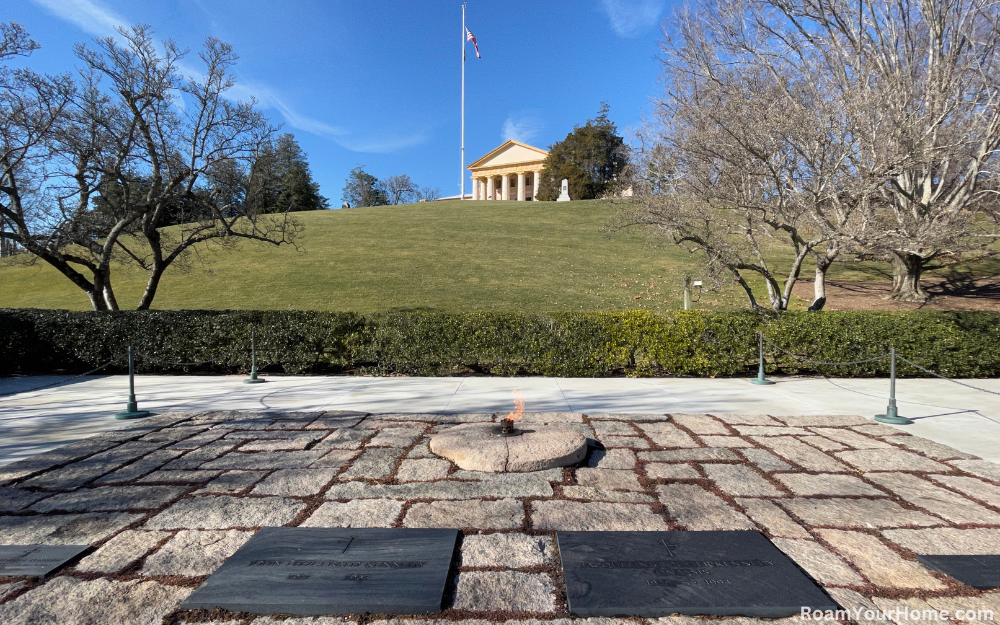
(512, 171)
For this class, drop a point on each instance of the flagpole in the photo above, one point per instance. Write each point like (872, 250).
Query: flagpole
(461, 171)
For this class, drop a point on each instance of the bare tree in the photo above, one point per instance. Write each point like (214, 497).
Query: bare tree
(426, 194)
(400, 189)
(127, 163)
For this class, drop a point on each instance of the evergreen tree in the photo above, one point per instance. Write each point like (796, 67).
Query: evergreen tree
(364, 189)
(281, 180)
(591, 158)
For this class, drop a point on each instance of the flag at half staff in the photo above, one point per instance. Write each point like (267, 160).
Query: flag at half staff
(470, 37)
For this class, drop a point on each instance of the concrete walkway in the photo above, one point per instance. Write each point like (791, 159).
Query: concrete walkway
(32, 422)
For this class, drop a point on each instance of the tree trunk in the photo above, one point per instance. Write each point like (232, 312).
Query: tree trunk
(746, 287)
(151, 285)
(823, 264)
(906, 270)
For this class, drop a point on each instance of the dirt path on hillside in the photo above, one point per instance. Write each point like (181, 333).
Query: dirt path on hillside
(946, 294)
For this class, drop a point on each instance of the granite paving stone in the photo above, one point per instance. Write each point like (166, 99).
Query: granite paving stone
(823, 443)
(629, 416)
(51, 459)
(175, 476)
(984, 602)
(667, 435)
(251, 435)
(200, 439)
(336, 458)
(265, 460)
(16, 499)
(296, 443)
(684, 455)
(983, 468)
(840, 512)
(934, 499)
(932, 449)
(772, 518)
(8, 589)
(877, 429)
(474, 513)
(738, 480)
(584, 517)
(232, 482)
(224, 511)
(70, 601)
(613, 428)
(947, 541)
(423, 470)
(666, 471)
(611, 458)
(747, 419)
(552, 417)
(395, 437)
(422, 449)
(796, 451)
(590, 493)
(610, 479)
(506, 550)
(318, 620)
(697, 509)
(79, 473)
(194, 459)
(825, 567)
(294, 482)
(445, 489)
(193, 552)
(109, 498)
(833, 484)
(373, 463)
(63, 529)
(346, 439)
(761, 430)
(851, 438)
(120, 551)
(358, 513)
(140, 467)
(975, 488)
(765, 460)
(881, 565)
(625, 442)
(731, 442)
(858, 605)
(823, 420)
(700, 423)
(890, 460)
(487, 591)
(532, 477)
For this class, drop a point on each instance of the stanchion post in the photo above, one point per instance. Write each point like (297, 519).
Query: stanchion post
(760, 369)
(891, 413)
(132, 408)
(253, 379)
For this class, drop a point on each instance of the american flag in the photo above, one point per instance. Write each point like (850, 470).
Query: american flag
(470, 37)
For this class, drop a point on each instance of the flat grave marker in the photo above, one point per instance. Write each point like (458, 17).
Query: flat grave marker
(309, 571)
(36, 560)
(652, 574)
(982, 572)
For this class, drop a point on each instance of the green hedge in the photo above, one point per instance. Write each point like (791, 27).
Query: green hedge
(635, 343)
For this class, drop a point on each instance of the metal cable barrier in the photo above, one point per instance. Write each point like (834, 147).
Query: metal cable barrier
(820, 362)
(62, 382)
(944, 377)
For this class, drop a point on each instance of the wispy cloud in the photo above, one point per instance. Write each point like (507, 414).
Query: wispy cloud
(521, 126)
(100, 21)
(630, 18)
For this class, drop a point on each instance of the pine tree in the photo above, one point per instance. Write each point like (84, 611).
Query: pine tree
(590, 157)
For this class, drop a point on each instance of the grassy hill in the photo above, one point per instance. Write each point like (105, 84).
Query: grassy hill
(446, 256)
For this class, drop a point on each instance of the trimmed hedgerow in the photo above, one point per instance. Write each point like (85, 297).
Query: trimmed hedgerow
(635, 343)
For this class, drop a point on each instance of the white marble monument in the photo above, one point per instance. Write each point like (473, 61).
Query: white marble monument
(564, 192)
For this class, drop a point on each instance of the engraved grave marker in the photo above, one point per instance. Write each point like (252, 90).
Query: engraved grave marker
(652, 574)
(310, 571)
(982, 572)
(36, 560)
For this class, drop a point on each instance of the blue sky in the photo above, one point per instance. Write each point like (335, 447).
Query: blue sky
(376, 82)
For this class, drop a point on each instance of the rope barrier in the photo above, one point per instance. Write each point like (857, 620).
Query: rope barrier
(820, 362)
(944, 377)
(61, 382)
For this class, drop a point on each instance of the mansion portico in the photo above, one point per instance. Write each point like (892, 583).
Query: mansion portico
(512, 171)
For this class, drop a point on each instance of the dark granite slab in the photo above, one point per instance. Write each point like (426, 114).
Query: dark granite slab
(311, 571)
(36, 560)
(652, 574)
(982, 572)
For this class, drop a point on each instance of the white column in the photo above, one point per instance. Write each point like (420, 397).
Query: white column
(538, 181)
(475, 187)
(505, 187)
(489, 188)
(520, 186)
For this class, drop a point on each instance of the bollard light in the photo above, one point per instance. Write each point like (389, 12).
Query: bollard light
(132, 408)
(760, 369)
(891, 414)
(253, 379)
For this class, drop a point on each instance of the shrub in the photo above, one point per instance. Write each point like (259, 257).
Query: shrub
(633, 343)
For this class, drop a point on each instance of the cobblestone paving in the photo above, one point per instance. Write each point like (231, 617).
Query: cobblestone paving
(166, 502)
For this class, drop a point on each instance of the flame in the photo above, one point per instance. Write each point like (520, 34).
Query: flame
(519, 405)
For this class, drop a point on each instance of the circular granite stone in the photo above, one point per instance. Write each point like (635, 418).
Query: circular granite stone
(477, 447)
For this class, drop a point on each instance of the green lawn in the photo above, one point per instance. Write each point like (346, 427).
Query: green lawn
(445, 256)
